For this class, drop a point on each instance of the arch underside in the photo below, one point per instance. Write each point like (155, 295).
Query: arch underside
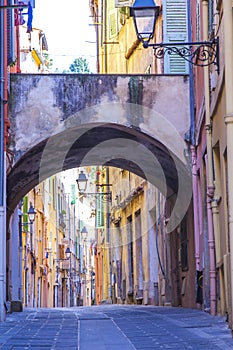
(112, 145)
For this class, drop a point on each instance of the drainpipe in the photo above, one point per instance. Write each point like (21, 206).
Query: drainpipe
(20, 213)
(193, 153)
(210, 182)
(228, 46)
(97, 43)
(109, 251)
(195, 205)
(105, 38)
(3, 110)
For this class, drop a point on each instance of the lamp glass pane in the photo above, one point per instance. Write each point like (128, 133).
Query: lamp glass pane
(145, 22)
(31, 216)
(82, 185)
(82, 182)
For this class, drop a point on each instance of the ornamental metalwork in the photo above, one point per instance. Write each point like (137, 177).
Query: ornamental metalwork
(202, 53)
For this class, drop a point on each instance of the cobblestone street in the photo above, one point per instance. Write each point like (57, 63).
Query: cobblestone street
(114, 327)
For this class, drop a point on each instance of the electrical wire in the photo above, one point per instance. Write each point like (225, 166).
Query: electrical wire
(156, 238)
(157, 248)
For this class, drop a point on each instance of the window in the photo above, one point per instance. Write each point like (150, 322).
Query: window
(10, 35)
(211, 16)
(175, 30)
(61, 251)
(198, 21)
(113, 23)
(99, 211)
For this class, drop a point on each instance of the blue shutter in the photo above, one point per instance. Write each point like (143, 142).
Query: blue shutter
(175, 30)
(10, 35)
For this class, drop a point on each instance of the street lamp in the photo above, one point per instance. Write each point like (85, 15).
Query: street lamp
(68, 253)
(68, 257)
(31, 217)
(82, 182)
(31, 213)
(84, 233)
(200, 53)
(82, 186)
(145, 14)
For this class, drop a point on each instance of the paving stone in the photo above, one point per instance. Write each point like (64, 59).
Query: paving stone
(114, 327)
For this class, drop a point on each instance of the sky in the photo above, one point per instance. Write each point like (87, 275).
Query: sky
(68, 30)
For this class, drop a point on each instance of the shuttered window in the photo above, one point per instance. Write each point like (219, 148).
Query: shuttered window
(112, 19)
(198, 27)
(99, 212)
(175, 30)
(10, 34)
(211, 15)
(25, 214)
(61, 251)
(112, 23)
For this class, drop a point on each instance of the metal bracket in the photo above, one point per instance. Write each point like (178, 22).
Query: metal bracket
(200, 53)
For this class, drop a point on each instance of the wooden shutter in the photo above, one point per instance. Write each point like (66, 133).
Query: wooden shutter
(25, 214)
(112, 19)
(99, 212)
(211, 16)
(112, 23)
(61, 250)
(10, 35)
(175, 30)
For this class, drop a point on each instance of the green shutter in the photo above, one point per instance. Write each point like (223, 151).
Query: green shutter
(112, 19)
(73, 194)
(99, 212)
(175, 30)
(25, 214)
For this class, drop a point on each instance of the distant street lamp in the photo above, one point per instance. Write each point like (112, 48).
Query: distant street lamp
(84, 233)
(82, 186)
(31, 213)
(200, 53)
(68, 257)
(82, 182)
(68, 253)
(31, 217)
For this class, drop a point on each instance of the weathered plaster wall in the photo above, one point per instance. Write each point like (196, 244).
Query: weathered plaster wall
(63, 121)
(40, 105)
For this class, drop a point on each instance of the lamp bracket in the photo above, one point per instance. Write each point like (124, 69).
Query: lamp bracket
(200, 53)
(104, 196)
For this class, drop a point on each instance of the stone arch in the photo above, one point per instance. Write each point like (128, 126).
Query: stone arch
(102, 144)
(64, 121)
